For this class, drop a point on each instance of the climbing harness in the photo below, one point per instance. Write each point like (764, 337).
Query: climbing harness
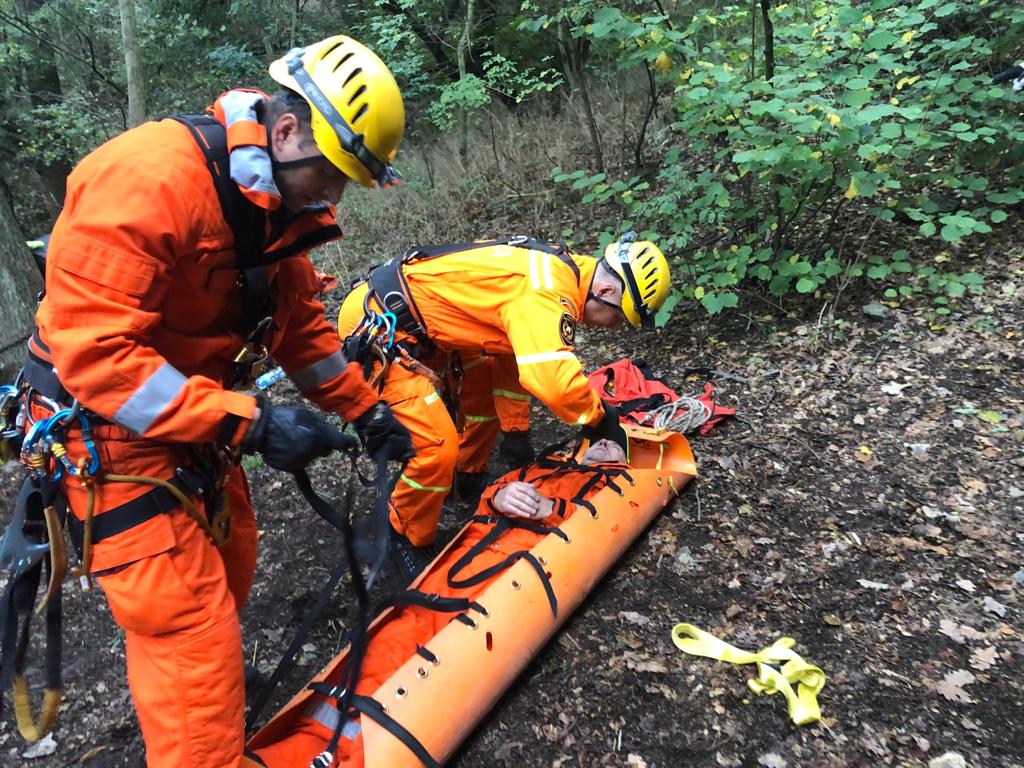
(779, 669)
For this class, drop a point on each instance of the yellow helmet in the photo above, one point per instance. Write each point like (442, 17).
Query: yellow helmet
(644, 271)
(358, 116)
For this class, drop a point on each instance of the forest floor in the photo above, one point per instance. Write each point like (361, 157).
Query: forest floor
(867, 502)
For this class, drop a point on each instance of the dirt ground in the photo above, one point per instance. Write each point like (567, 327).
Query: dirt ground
(867, 503)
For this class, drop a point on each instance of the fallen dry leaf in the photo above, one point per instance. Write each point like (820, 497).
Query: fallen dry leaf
(983, 658)
(952, 686)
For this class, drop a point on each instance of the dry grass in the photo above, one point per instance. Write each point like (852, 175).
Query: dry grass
(503, 186)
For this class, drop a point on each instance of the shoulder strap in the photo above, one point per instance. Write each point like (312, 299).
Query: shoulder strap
(246, 220)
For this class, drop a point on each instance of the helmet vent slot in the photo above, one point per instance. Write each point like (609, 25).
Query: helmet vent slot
(363, 109)
(331, 50)
(359, 92)
(343, 59)
(352, 74)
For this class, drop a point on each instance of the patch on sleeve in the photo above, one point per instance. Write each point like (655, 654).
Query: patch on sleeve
(567, 330)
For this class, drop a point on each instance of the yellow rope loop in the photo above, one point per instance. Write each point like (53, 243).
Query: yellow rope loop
(779, 669)
(31, 728)
(184, 500)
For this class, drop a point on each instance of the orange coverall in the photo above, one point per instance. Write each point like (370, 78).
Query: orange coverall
(517, 306)
(394, 640)
(141, 322)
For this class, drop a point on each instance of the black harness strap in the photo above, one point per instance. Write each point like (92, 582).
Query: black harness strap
(16, 609)
(247, 220)
(137, 511)
(388, 285)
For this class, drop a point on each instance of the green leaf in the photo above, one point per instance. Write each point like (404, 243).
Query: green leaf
(991, 417)
(805, 285)
(998, 216)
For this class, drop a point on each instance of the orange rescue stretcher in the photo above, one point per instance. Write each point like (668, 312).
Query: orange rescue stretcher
(429, 676)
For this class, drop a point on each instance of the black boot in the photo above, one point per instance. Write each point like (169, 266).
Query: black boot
(408, 558)
(516, 450)
(470, 485)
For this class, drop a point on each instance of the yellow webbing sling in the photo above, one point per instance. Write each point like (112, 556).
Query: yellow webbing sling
(779, 668)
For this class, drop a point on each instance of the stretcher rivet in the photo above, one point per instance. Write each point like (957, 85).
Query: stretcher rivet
(435, 662)
(593, 514)
(568, 539)
(542, 560)
(421, 673)
(384, 708)
(400, 693)
(660, 481)
(515, 584)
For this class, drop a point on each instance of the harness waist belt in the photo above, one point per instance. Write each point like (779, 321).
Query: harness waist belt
(137, 511)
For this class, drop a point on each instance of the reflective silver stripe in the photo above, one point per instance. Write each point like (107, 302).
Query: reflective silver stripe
(250, 165)
(312, 376)
(251, 168)
(151, 399)
(328, 716)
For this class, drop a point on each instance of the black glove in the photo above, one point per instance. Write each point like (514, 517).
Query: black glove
(356, 348)
(380, 430)
(289, 437)
(608, 428)
(516, 450)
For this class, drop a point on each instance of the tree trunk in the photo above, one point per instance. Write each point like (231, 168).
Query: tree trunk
(132, 64)
(20, 284)
(577, 77)
(465, 40)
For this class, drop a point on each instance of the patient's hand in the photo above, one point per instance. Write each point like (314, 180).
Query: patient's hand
(519, 499)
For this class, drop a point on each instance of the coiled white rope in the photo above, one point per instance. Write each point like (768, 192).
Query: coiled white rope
(683, 415)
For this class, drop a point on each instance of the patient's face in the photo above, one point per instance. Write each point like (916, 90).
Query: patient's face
(604, 451)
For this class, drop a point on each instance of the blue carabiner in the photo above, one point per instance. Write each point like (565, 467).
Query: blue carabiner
(392, 323)
(90, 445)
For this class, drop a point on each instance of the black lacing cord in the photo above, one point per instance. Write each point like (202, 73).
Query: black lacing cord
(500, 526)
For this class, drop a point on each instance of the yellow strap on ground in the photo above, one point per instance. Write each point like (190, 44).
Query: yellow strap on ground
(779, 668)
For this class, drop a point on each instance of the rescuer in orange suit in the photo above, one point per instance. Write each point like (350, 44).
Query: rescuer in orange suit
(158, 304)
(516, 301)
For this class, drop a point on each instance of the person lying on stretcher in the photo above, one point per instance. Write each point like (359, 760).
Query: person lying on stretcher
(515, 513)
(521, 499)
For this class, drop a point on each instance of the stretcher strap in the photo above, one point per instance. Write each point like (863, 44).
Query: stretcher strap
(501, 525)
(372, 709)
(779, 668)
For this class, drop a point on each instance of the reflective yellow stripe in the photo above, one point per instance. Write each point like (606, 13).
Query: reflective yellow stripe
(431, 398)
(431, 488)
(509, 395)
(480, 419)
(544, 357)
